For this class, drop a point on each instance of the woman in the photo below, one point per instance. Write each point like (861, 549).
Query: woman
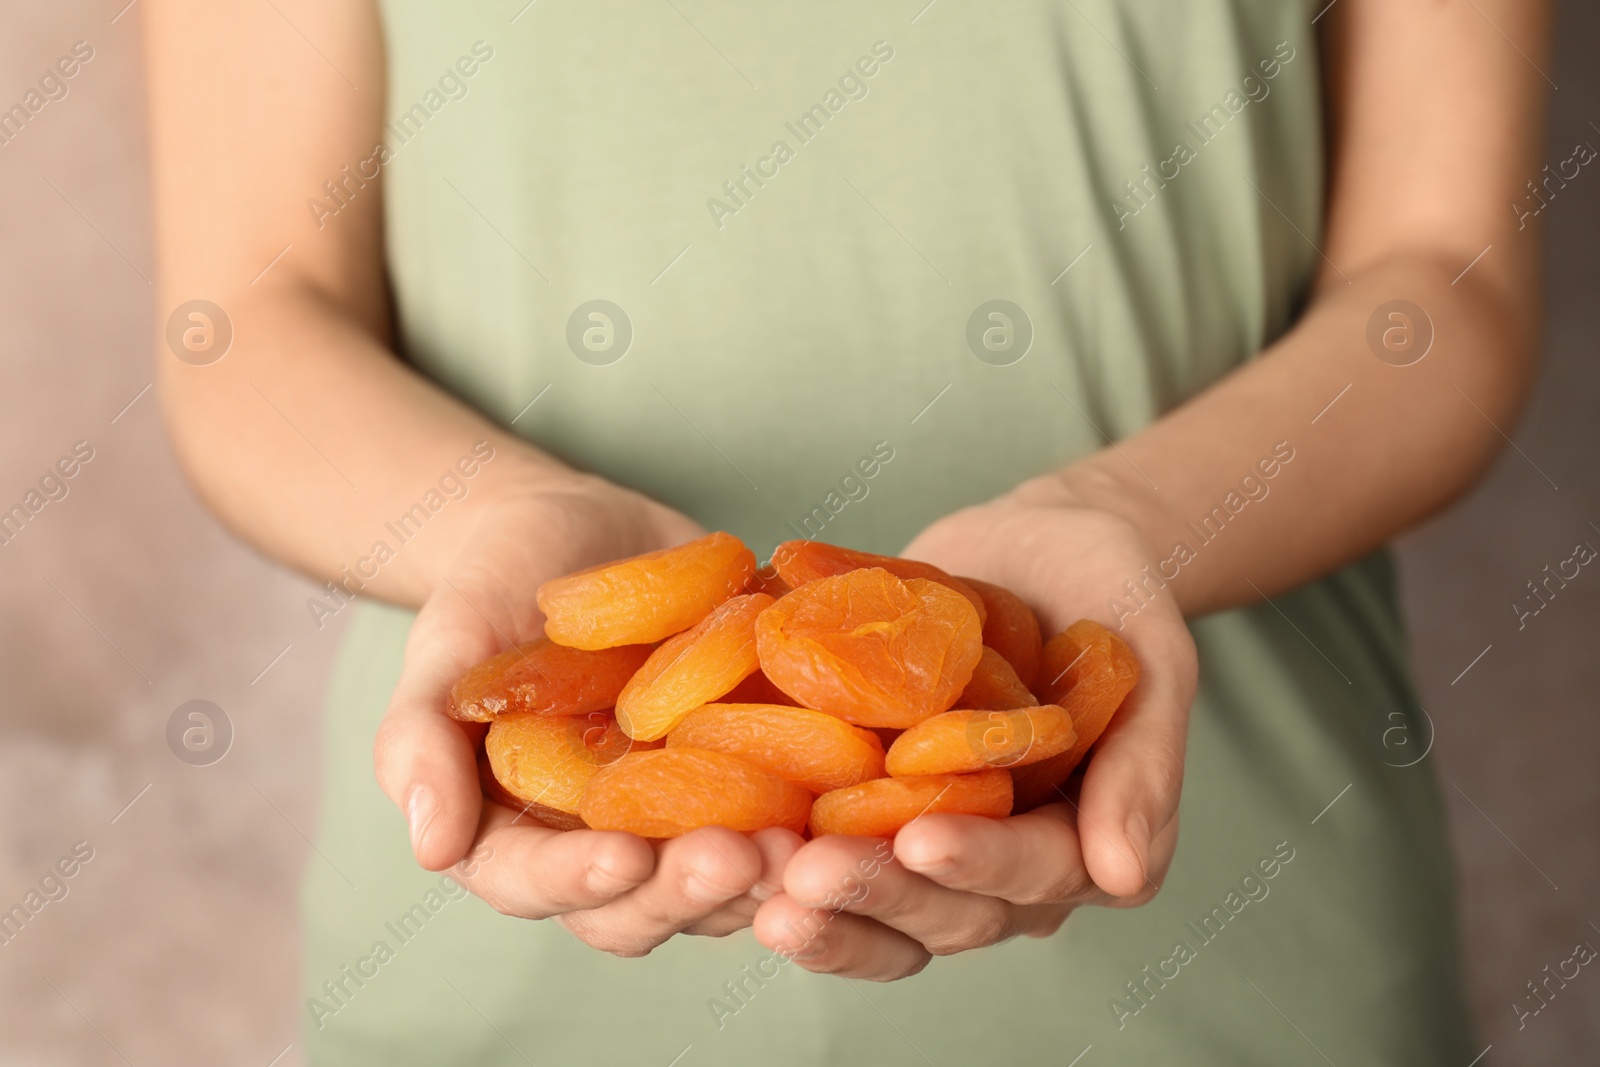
(1165, 315)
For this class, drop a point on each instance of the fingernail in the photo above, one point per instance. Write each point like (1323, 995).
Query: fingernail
(1138, 830)
(420, 811)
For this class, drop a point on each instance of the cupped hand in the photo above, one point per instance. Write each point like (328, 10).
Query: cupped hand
(615, 891)
(959, 882)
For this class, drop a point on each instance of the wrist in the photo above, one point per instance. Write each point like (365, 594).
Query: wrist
(1133, 512)
(491, 526)
(1096, 483)
(556, 522)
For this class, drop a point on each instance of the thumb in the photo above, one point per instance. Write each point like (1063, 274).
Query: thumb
(426, 761)
(1132, 785)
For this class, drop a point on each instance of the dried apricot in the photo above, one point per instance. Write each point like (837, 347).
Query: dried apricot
(809, 748)
(1089, 671)
(871, 648)
(799, 562)
(958, 742)
(526, 812)
(995, 686)
(879, 808)
(492, 789)
(675, 790)
(692, 668)
(1011, 629)
(544, 677)
(548, 760)
(642, 600)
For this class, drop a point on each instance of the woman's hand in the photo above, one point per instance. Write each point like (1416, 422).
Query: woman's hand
(959, 882)
(615, 891)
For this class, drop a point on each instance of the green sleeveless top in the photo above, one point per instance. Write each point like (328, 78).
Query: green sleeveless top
(739, 256)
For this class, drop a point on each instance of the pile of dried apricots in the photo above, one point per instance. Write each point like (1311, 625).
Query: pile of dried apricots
(836, 691)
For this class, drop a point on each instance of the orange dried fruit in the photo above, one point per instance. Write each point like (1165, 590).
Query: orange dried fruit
(809, 748)
(492, 789)
(548, 760)
(542, 676)
(995, 686)
(1011, 629)
(535, 813)
(668, 793)
(799, 562)
(871, 648)
(692, 668)
(1089, 671)
(879, 808)
(959, 742)
(647, 598)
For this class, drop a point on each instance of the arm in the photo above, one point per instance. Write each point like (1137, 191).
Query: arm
(1434, 129)
(310, 433)
(1418, 191)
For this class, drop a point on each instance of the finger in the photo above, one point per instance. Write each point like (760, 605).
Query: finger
(829, 873)
(1162, 848)
(732, 917)
(534, 872)
(1029, 859)
(695, 876)
(837, 942)
(424, 760)
(776, 845)
(1131, 787)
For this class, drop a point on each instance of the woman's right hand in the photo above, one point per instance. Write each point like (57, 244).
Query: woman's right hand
(615, 891)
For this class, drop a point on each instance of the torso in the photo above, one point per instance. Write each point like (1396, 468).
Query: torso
(812, 313)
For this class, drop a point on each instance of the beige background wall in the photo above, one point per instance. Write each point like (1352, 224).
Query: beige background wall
(176, 942)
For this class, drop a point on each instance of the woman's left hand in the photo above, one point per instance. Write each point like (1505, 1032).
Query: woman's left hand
(959, 882)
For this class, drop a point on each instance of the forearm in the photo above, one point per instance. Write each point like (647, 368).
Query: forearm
(316, 443)
(1433, 134)
(1319, 451)
(309, 435)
